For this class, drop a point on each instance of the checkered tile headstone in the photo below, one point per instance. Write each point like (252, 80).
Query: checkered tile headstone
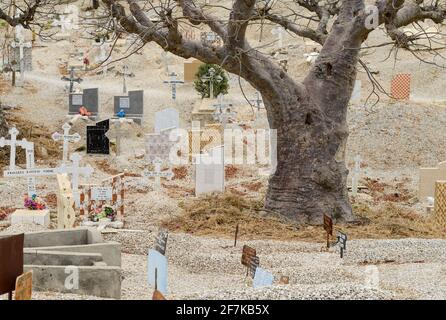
(400, 88)
(158, 145)
(116, 201)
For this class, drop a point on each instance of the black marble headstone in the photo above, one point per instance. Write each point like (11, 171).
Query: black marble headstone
(97, 142)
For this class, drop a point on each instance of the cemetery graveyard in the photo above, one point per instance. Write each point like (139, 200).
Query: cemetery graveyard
(120, 179)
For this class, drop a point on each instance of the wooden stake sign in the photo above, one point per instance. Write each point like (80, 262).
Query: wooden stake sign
(328, 227)
(24, 286)
(236, 234)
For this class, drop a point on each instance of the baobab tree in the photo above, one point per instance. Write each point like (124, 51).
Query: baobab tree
(309, 116)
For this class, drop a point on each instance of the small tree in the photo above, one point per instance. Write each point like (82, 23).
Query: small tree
(220, 81)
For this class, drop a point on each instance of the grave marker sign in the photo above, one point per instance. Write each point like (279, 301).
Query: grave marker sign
(157, 271)
(161, 242)
(97, 141)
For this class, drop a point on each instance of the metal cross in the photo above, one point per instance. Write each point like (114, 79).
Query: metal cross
(257, 101)
(173, 83)
(72, 79)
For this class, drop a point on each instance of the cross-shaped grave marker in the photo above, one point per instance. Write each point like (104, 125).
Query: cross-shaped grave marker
(211, 76)
(21, 44)
(72, 79)
(75, 170)
(257, 101)
(29, 149)
(157, 173)
(279, 32)
(125, 74)
(117, 132)
(66, 137)
(355, 176)
(173, 82)
(221, 104)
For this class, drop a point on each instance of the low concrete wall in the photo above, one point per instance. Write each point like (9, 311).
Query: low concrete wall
(70, 237)
(96, 281)
(59, 258)
(110, 251)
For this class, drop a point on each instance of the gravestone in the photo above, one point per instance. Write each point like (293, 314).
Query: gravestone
(159, 145)
(11, 250)
(89, 99)
(157, 173)
(97, 141)
(24, 286)
(262, 278)
(157, 271)
(400, 86)
(66, 137)
(166, 119)
(210, 171)
(132, 105)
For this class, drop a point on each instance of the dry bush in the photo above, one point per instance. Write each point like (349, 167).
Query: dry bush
(219, 214)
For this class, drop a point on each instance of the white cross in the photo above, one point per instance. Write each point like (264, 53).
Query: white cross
(173, 83)
(66, 137)
(355, 176)
(211, 77)
(157, 173)
(65, 23)
(279, 32)
(118, 133)
(75, 171)
(21, 44)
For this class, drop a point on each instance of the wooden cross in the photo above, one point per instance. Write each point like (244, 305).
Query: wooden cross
(173, 83)
(66, 137)
(157, 173)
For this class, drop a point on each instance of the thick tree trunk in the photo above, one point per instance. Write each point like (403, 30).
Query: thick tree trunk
(311, 177)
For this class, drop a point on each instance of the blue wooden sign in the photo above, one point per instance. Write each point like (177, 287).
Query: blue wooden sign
(157, 264)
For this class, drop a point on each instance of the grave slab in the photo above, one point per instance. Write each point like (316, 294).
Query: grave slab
(40, 217)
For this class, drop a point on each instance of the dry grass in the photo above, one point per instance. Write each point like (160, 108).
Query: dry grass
(41, 137)
(218, 215)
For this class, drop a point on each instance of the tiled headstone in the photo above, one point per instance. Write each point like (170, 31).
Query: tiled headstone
(132, 105)
(210, 172)
(89, 98)
(167, 118)
(158, 145)
(157, 262)
(400, 87)
(97, 141)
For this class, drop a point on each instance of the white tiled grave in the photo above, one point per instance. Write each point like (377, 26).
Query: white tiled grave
(41, 217)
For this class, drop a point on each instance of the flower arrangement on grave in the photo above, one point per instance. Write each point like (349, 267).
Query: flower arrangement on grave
(34, 203)
(104, 212)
